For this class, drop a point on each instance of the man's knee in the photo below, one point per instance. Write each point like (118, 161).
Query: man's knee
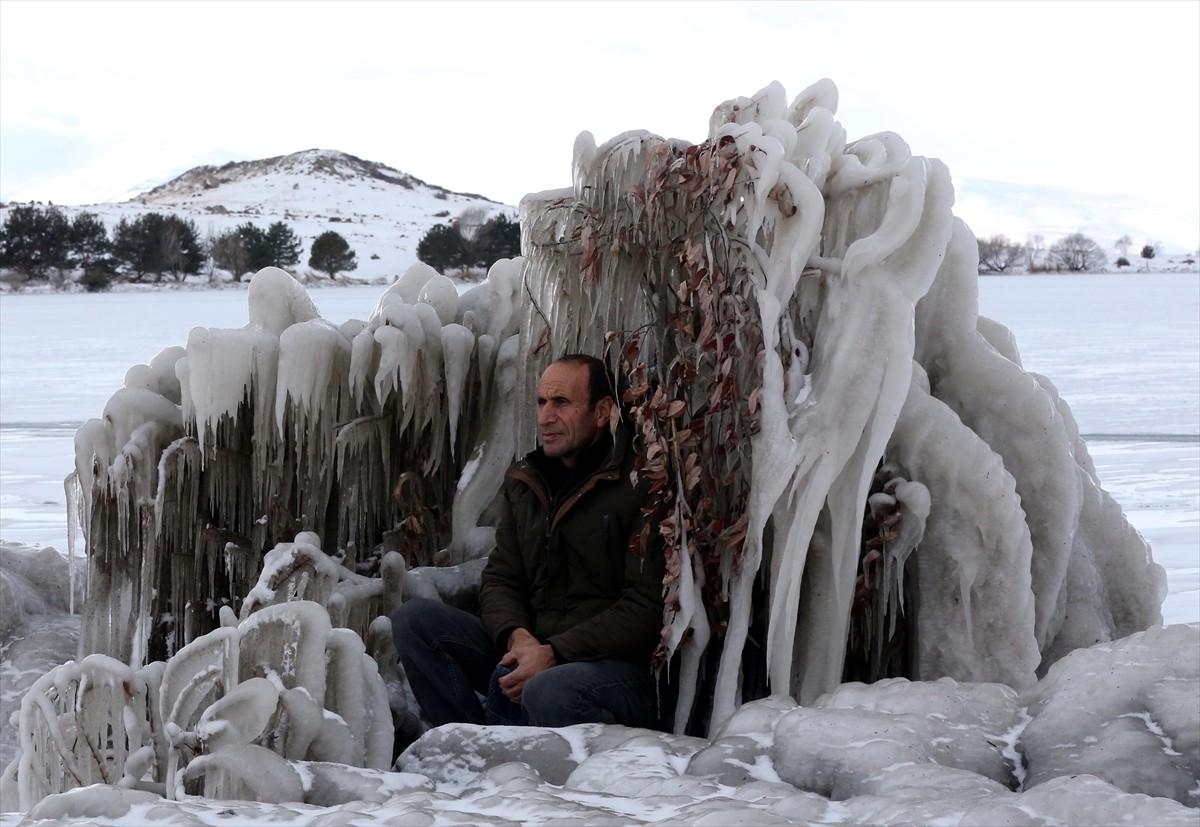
(562, 696)
(547, 698)
(541, 686)
(410, 623)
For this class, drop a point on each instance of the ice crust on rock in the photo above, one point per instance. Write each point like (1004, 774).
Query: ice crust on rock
(260, 497)
(926, 752)
(1127, 712)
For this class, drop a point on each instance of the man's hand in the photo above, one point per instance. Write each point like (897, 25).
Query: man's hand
(526, 657)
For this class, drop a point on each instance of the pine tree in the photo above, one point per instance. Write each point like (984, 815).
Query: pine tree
(499, 237)
(158, 244)
(34, 239)
(283, 245)
(135, 244)
(331, 254)
(89, 242)
(1149, 251)
(442, 248)
(256, 245)
(181, 250)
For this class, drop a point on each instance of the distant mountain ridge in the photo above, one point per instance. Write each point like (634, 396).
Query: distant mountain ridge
(310, 162)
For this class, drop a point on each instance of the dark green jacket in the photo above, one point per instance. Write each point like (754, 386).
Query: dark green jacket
(562, 566)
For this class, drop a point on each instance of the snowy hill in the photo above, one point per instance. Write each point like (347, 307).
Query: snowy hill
(382, 212)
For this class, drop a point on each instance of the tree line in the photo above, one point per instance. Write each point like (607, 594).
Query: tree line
(1075, 253)
(40, 242)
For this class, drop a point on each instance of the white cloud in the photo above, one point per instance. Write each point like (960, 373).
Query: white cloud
(1100, 97)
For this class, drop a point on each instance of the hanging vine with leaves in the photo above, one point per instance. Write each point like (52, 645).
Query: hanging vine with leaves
(694, 373)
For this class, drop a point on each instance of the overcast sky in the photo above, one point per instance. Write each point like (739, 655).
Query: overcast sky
(1097, 97)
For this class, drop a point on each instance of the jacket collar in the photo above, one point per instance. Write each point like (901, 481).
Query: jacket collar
(587, 462)
(606, 453)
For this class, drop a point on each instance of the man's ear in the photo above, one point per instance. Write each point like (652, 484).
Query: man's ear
(604, 411)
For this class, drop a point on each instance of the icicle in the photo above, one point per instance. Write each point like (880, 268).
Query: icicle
(777, 453)
(458, 346)
(912, 502)
(431, 392)
(398, 362)
(74, 498)
(693, 647)
(364, 365)
(225, 367)
(504, 286)
(485, 471)
(314, 360)
(392, 349)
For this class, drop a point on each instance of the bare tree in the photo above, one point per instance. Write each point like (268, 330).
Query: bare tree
(1123, 244)
(469, 222)
(210, 242)
(171, 251)
(228, 252)
(1078, 253)
(997, 254)
(1035, 252)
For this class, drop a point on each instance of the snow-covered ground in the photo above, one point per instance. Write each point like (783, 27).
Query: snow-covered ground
(1123, 350)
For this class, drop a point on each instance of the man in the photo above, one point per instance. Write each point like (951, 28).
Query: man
(570, 614)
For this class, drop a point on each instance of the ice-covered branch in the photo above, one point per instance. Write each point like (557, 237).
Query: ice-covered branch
(793, 282)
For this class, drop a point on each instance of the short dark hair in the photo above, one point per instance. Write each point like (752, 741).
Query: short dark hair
(599, 383)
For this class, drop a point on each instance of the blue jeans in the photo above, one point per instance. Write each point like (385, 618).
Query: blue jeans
(449, 658)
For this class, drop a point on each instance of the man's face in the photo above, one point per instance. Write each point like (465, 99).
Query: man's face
(566, 420)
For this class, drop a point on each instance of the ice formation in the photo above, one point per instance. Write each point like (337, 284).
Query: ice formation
(847, 264)
(852, 473)
(358, 432)
(225, 715)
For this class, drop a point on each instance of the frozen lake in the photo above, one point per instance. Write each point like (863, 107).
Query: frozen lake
(1123, 350)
